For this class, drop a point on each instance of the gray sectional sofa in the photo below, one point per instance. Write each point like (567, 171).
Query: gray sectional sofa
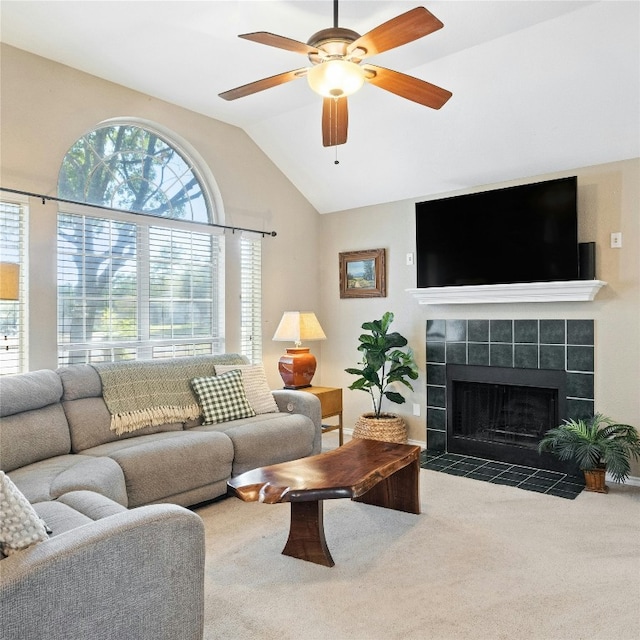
(125, 558)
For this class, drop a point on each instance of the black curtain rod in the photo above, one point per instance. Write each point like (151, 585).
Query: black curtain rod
(44, 198)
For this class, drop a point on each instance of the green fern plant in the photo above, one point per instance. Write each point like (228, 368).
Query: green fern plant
(594, 442)
(384, 363)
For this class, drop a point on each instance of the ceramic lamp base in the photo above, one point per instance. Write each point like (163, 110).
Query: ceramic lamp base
(297, 367)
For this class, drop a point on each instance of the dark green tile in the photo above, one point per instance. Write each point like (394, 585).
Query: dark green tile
(455, 472)
(580, 359)
(501, 331)
(479, 354)
(524, 471)
(525, 356)
(579, 408)
(552, 357)
(436, 440)
(478, 331)
(436, 464)
(435, 330)
(525, 331)
(436, 374)
(452, 457)
(456, 330)
(436, 419)
(580, 385)
(550, 475)
(498, 467)
(501, 355)
(512, 475)
(435, 352)
(552, 332)
(479, 474)
(456, 353)
(558, 492)
(528, 486)
(436, 396)
(464, 465)
(536, 481)
(580, 332)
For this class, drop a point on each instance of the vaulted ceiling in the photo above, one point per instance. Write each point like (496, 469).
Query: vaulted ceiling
(538, 86)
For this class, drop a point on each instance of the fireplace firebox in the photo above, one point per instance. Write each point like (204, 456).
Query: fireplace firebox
(502, 413)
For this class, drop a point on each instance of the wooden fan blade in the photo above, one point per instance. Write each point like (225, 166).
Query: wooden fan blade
(406, 86)
(400, 30)
(261, 85)
(335, 121)
(273, 40)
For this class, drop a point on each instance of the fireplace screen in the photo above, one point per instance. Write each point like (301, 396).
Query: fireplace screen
(502, 413)
(507, 414)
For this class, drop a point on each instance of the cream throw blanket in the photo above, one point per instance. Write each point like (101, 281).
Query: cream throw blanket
(148, 393)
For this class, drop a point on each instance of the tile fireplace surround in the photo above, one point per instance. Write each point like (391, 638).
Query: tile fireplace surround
(566, 345)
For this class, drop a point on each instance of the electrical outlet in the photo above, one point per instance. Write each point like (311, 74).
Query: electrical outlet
(409, 259)
(416, 409)
(616, 240)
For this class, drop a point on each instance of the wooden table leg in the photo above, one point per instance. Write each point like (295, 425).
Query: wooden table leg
(306, 534)
(400, 491)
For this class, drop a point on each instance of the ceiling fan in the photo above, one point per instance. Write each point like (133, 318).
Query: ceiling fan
(336, 54)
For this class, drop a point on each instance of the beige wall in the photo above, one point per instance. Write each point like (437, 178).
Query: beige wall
(608, 201)
(46, 107)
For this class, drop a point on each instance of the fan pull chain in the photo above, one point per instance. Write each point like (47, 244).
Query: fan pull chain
(336, 161)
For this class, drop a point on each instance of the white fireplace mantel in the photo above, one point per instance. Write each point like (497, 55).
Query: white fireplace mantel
(561, 291)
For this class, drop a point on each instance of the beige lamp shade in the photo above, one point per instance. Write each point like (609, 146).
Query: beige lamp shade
(9, 281)
(296, 326)
(297, 366)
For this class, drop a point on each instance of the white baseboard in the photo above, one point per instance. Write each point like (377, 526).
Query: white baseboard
(632, 481)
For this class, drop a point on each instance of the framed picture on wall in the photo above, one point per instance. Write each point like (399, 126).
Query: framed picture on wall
(363, 274)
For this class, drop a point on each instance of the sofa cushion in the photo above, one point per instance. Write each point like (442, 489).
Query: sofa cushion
(75, 509)
(32, 436)
(266, 439)
(20, 525)
(49, 479)
(60, 517)
(254, 381)
(166, 464)
(90, 424)
(33, 425)
(222, 397)
(29, 391)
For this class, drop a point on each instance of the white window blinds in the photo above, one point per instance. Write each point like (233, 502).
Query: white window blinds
(251, 299)
(136, 289)
(13, 301)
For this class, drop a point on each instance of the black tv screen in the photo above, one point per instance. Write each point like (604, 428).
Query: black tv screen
(527, 233)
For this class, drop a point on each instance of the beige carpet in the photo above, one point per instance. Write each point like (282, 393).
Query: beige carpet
(482, 561)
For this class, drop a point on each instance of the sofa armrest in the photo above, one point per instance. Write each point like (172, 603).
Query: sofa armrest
(291, 401)
(137, 574)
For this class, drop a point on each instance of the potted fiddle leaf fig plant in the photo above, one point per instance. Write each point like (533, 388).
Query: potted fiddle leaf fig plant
(597, 445)
(385, 362)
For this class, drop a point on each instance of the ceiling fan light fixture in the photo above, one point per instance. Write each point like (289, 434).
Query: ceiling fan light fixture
(336, 78)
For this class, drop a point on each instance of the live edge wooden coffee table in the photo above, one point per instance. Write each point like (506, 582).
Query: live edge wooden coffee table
(384, 474)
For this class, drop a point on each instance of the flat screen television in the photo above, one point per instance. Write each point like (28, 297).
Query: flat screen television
(527, 233)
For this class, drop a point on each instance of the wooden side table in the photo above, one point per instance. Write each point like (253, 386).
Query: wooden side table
(331, 405)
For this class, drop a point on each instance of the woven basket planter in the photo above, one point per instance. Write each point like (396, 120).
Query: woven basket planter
(595, 480)
(388, 427)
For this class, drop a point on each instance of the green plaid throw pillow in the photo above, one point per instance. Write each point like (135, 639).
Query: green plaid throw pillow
(222, 397)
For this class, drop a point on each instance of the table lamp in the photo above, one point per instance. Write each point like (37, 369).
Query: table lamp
(297, 366)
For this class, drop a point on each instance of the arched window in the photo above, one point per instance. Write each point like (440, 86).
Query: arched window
(124, 166)
(142, 281)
